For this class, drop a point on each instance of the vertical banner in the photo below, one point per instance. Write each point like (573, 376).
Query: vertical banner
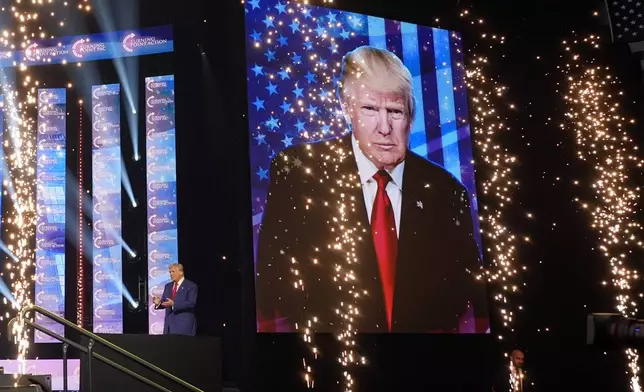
(106, 202)
(161, 189)
(1, 148)
(50, 198)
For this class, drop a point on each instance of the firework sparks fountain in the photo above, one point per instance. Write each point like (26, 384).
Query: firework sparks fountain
(20, 107)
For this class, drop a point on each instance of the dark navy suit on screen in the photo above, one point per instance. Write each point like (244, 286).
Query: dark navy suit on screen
(180, 318)
(437, 252)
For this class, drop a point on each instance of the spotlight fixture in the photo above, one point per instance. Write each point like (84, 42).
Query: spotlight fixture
(134, 306)
(132, 206)
(141, 303)
(134, 257)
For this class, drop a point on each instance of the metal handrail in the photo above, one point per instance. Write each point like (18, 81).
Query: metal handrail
(94, 355)
(104, 342)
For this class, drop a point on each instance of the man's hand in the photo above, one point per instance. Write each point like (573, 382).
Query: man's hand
(156, 300)
(168, 303)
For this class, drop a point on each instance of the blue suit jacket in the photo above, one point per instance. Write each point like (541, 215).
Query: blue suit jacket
(180, 318)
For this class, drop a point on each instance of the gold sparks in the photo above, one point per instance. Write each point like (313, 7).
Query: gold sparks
(324, 107)
(23, 174)
(20, 101)
(22, 218)
(345, 277)
(489, 111)
(593, 115)
(320, 103)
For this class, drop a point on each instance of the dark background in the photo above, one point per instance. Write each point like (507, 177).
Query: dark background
(564, 271)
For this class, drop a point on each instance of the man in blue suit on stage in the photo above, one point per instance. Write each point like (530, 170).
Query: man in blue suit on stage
(179, 300)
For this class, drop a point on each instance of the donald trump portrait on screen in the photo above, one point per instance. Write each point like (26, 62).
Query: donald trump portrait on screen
(412, 250)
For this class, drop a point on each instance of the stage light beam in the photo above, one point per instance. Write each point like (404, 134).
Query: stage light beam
(127, 69)
(127, 185)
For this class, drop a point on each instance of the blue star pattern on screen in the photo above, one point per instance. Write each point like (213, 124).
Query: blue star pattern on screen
(294, 55)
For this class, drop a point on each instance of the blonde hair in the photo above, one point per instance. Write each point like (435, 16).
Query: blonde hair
(369, 63)
(177, 266)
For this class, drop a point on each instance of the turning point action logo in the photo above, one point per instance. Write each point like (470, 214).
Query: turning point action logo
(43, 297)
(155, 186)
(153, 85)
(102, 91)
(46, 228)
(47, 129)
(154, 118)
(132, 41)
(34, 53)
(157, 328)
(103, 312)
(83, 46)
(45, 261)
(99, 109)
(153, 101)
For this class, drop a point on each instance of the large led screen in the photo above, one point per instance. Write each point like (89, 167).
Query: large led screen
(363, 189)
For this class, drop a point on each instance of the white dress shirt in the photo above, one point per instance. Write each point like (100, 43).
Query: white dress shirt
(366, 170)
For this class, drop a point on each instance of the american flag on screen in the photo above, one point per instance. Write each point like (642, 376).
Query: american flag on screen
(626, 20)
(293, 53)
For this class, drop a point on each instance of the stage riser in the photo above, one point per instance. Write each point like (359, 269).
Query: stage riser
(196, 360)
(9, 380)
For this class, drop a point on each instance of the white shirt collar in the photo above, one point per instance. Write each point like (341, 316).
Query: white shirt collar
(366, 168)
(180, 281)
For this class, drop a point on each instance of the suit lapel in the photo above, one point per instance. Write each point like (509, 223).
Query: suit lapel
(409, 215)
(420, 238)
(357, 216)
(181, 289)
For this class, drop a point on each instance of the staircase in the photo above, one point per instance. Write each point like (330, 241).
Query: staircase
(30, 383)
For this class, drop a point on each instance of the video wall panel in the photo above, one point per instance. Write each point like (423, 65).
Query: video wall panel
(107, 304)
(363, 189)
(50, 198)
(161, 174)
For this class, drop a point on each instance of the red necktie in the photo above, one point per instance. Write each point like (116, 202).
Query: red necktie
(385, 239)
(174, 290)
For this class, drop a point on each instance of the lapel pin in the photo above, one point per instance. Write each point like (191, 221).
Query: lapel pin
(419, 204)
